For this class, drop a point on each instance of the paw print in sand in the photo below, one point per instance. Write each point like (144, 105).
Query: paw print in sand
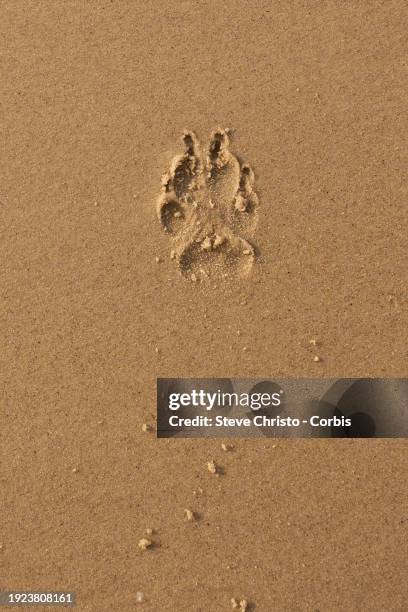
(209, 208)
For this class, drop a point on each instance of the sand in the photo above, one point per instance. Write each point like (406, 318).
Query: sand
(94, 99)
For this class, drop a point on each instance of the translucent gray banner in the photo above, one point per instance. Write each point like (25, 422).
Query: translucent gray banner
(281, 408)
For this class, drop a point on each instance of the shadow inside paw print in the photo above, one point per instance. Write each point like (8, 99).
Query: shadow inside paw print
(209, 208)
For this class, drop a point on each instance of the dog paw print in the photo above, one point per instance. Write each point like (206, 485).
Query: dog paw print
(209, 208)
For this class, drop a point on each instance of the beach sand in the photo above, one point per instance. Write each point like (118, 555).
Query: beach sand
(94, 100)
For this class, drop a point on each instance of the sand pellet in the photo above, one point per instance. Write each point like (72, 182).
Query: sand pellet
(218, 241)
(189, 514)
(144, 543)
(241, 605)
(206, 244)
(212, 467)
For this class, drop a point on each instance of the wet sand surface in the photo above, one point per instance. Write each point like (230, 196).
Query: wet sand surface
(94, 100)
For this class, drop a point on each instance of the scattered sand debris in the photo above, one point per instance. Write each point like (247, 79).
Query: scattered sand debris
(212, 467)
(140, 597)
(206, 244)
(157, 259)
(227, 447)
(144, 543)
(190, 516)
(146, 427)
(316, 359)
(241, 605)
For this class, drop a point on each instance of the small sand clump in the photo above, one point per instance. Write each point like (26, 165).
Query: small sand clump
(206, 244)
(218, 241)
(241, 605)
(189, 515)
(144, 543)
(212, 467)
